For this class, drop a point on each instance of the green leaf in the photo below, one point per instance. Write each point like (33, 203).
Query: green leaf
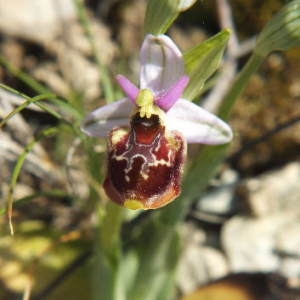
(160, 14)
(23, 76)
(129, 265)
(23, 106)
(158, 249)
(203, 60)
(240, 83)
(40, 105)
(37, 101)
(282, 32)
(106, 284)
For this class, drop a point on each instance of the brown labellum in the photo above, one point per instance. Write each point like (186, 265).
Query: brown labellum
(145, 164)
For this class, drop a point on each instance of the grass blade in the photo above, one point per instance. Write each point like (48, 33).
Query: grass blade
(17, 169)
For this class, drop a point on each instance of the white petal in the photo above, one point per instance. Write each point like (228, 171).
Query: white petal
(102, 120)
(197, 124)
(162, 64)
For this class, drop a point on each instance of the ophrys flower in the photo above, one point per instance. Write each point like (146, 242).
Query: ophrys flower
(147, 131)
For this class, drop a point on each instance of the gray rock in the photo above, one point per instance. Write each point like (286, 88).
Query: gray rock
(250, 243)
(35, 20)
(287, 244)
(199, 265)
(199, 262)
(275, 191)
(220, 201)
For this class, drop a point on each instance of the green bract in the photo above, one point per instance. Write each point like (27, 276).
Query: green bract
(282, 32)
(203, 60)
(160, 14)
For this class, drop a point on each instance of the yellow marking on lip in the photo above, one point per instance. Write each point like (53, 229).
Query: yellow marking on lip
(133, 204)
(117, 135)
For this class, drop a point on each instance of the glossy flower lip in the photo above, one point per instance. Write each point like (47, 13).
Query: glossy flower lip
(144, 164)
(162, 73)
(147, 131)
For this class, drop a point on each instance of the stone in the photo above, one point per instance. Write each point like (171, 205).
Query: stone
(220, 200)
(287, 244)
(250, 243)
(35, 20)
(200, 263)
(274, 191)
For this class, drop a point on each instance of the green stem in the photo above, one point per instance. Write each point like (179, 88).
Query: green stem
(23, 106)
(110, 228)
(158, 248)
(37, 101)
(24, 77)
(108, 253)
(238, 86)
(18, 167)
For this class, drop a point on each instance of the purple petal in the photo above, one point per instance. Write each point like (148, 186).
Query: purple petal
(128, 87)
(162, 64)
(197, 124)
(102, 120)
(168, 99)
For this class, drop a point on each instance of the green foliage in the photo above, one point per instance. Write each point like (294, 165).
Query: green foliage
(34, 100)
(282, 32)
(21, 107)
(203, 60)
(157, 249)
(17, 169)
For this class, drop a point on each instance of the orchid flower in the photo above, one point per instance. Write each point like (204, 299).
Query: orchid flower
(148, 130)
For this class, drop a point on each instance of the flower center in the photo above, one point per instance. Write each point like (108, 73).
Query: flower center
(147, 106)
(145, 102)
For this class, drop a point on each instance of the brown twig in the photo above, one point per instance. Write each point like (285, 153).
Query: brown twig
(235, 50)
(235, 157)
